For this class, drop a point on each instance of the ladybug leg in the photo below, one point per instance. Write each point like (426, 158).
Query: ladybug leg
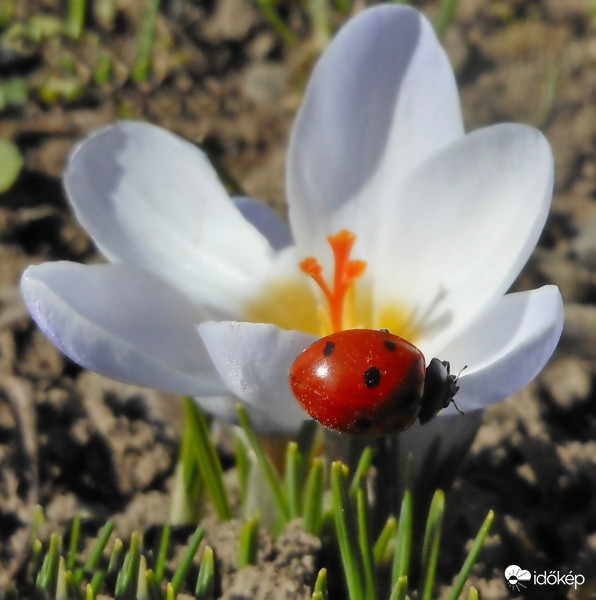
(440, 386)
(455, 386)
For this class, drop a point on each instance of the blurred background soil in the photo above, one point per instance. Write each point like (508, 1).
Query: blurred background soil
(223, 77)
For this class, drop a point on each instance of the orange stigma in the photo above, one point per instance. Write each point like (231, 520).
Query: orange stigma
(346, 273)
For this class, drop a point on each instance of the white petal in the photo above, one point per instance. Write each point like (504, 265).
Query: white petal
(123, 323)
(254, 360)
(507, 347)
(381, 99)
(152, 199)
(266, 220)
(463, 227)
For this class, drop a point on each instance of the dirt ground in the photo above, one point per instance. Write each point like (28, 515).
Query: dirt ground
(76, 443)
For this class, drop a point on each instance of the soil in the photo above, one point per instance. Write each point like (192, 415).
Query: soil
(76, 443)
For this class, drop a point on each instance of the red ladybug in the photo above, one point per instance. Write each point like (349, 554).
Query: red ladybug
(370, 381)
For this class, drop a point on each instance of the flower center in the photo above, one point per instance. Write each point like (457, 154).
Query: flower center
(340, 297)
(291, 303)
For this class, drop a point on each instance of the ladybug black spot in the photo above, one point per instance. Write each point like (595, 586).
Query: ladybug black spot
(391, 346)
(372, 377)
(329, 348)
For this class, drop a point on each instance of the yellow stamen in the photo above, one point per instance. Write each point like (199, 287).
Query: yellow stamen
(291, 303)
(346, 273)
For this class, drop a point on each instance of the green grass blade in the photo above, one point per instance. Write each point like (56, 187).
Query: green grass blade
(140, 69)
(186, 495)
(142, 589)
(318, 11)
(268, 469)
(97, 551)
(116, 556)
(205, 589)
(445, 18)
(472, 557)
(61, 589)
(344, 6)
(38, 514)
(102, 69)
(75, 21)
(361, 470)
(385, 545)
(249, 542)
(400, 589)
(431, 544)
(187, 559)
(187, 456)
(93, 587)
(75, 534)
(7, 10)
(293, 479)
(403, 540)
(162, 553)
(473, 594)
(170, 592)
(321, 584)
(128, 577)
(207, 459)
(11, 163)
(313, 497)
(364, 542)
(243, 464)
(48, 574)
(346, 537)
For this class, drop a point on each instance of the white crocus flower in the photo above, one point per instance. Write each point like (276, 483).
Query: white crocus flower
(204, 295)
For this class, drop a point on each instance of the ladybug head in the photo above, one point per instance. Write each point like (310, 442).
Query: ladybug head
(440, 386)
